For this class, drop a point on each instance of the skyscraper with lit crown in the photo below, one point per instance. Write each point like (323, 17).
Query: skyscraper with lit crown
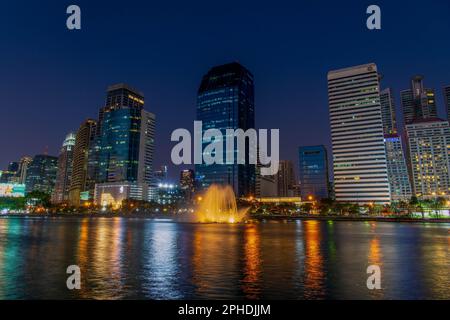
(64, 171)
(125, 145)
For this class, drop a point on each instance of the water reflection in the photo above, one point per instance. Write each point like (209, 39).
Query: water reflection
(252, 263)
(314, 268)
(215, 260)
(146, 259)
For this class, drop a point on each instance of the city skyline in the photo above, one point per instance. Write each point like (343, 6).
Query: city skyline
(294, 81)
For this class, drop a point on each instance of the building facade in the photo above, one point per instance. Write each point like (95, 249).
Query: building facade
(10, 175)
(23, 167)
(64, 171)
(399, 183)
(285, 179)
(187, 183)
(359, 155)
(225, 100)
(266, 185)
(84, 165)
(125, 141)
(388, 111)
(446, 91)
(313, 172)
(428, 143)
(418, 102)
(41, 174)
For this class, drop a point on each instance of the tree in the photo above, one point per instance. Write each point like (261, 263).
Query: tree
(38, 198)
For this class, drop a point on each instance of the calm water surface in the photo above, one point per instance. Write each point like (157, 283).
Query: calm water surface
(126, 258)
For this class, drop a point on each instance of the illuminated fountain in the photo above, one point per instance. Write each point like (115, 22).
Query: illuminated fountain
(218, 204)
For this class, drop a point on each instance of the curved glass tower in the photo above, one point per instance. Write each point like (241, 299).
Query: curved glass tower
(226, 101)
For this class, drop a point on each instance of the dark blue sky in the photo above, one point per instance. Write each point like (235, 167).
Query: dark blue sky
(53, 78)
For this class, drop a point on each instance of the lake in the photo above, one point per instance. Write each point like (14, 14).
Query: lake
(144, 258)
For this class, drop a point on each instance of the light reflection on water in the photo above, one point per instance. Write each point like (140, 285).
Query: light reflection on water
(146, 259)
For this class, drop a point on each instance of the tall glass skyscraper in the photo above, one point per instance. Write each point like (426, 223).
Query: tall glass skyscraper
(226, 101)
(313, 171)
(120, 126)
(41, 174)
(125, 143)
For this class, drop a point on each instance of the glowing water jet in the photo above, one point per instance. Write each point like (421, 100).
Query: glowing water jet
(219, 205)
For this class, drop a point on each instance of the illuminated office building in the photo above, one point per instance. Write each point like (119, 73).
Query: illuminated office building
(285, 179)
(313, 169)
(418, 102)
(428, 144)
(225, 100)
(126, 140)
(23, 167)
(388, 111)
(84, 164)
(359, 155)
(41, 174)
(400, 186)
(446, 91)
(187, 183)
(64, 171)
(10, 174)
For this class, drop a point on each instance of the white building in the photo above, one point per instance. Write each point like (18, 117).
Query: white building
(428, 144)
(359, 155)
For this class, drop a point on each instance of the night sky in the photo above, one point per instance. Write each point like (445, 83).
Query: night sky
(53, 78)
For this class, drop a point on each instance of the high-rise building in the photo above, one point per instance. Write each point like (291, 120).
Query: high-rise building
(285, 179)
(313, 172)
(428, 144)
(41, 174)
(10, 174)
(265, 185)
(418, 102)
(146, 148)
(120, 134)
(84, 166)
(226, 101)
(399, 183)
(187, 183)
(126, 141)
(359, 155)
(388, 111)
(64, 172)
(23, 167)
(161, 175)
(446, 91)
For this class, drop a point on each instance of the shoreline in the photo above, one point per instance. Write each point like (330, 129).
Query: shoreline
(251, 218)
